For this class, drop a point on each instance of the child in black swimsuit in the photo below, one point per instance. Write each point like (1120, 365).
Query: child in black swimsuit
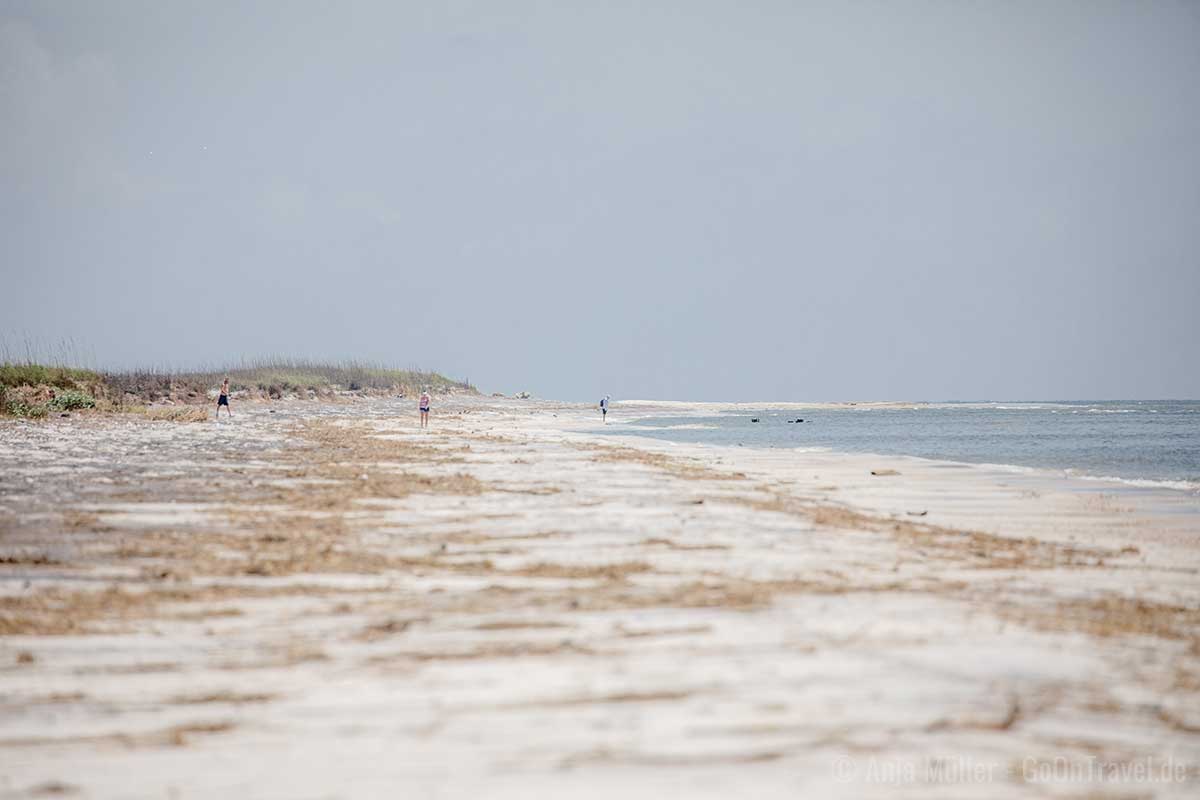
(223, 399)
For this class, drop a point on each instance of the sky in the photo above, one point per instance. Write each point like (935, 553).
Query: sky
(678, 200)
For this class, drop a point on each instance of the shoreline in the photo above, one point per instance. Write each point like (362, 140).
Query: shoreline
(1153, 499)
(1116, 482)
(513, 604)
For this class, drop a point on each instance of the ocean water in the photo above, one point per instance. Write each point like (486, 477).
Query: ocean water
(1142, 443)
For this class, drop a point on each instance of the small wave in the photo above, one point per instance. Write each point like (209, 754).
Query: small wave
(1192, 486)
(1017, 468)
(1144, 483)
(1112, 410)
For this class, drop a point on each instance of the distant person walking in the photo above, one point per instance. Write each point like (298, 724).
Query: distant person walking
(223, 399)
(604, 407)
(423, 404)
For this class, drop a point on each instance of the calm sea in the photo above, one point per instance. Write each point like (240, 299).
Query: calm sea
(1144, 443)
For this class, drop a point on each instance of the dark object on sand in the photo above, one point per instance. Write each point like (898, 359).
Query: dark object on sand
(884, 472)
(917, 513)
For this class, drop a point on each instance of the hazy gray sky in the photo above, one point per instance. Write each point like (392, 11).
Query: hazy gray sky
(700, 200)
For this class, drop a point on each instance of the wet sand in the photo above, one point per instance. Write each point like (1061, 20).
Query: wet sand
(312, 601)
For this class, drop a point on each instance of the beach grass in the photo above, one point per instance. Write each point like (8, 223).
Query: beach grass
(291, 375)
(13, 375)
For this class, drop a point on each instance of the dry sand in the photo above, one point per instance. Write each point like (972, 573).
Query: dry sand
(316, 602)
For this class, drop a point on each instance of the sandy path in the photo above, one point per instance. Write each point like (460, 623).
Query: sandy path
(325, 602)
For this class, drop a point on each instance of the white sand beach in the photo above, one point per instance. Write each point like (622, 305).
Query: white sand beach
(312, 601)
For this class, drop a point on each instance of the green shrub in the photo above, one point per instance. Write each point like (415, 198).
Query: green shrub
(71, 399)
(19, 408)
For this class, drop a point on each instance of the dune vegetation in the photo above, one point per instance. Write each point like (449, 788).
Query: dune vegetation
(33, 390)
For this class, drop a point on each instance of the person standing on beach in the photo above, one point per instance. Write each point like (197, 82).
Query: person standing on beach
(604, 407)
(423, 404)
(223, 399)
